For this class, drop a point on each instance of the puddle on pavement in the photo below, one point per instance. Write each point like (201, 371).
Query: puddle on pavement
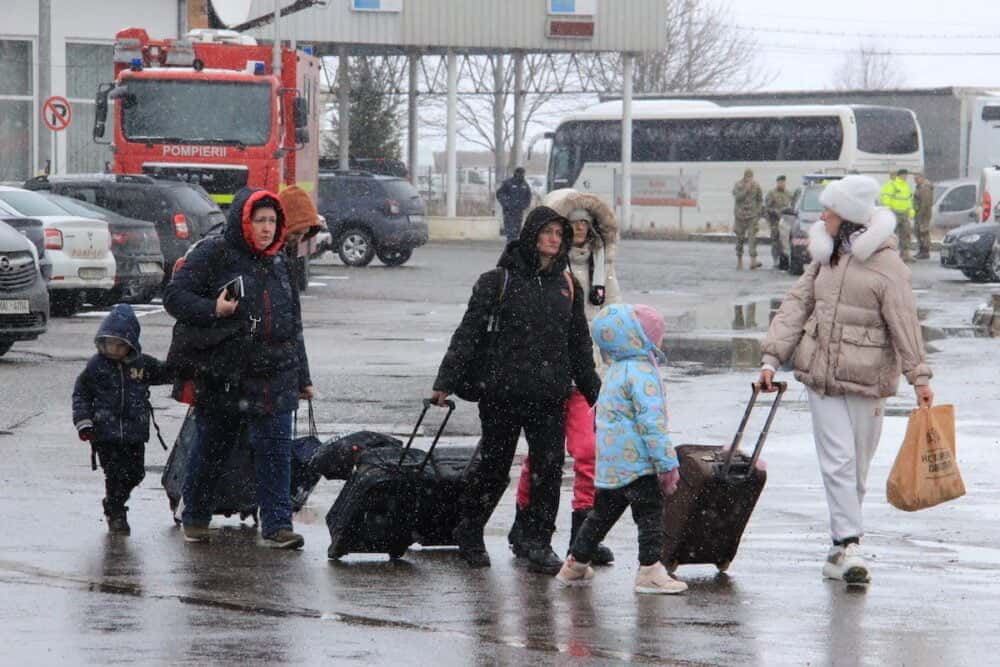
(964, 553)
(747, 316)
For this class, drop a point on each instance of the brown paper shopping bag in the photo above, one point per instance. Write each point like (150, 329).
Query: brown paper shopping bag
(926, 473)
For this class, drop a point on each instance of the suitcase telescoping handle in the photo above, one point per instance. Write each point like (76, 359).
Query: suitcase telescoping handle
(756, 388)
(416, 427)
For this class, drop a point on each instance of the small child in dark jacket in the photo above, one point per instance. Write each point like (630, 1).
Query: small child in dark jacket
(111, 408)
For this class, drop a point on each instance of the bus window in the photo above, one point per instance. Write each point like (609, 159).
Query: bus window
(886, 131)
(810, 138)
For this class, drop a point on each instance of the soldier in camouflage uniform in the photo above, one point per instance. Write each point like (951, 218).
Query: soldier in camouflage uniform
(776, 201)
(749, 204)
(923, 202)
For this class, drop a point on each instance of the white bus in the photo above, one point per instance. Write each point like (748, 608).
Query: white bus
(686, 155)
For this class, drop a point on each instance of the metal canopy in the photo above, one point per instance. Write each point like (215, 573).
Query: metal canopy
(450, 29)
(388, 27)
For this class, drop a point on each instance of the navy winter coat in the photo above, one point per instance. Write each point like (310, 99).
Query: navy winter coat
(514, 195)
(112, 397)
(543, 343)
(261, 369)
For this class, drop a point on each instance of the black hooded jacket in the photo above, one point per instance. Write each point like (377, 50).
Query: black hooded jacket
(112, 397)
(262, 368)
(544, 341)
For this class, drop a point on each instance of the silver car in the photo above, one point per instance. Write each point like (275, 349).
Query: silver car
(955, 203)
(24, 299)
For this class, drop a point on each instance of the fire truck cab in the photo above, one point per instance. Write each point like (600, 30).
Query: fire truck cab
(210, 109)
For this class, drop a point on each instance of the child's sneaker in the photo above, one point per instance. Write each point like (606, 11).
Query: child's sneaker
(846, 564)
(655, 580)
(574, 573)
(194, 533)
(283, 539)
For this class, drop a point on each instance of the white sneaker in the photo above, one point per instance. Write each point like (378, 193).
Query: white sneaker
(655, 580)
(575, 574)
(846, 564)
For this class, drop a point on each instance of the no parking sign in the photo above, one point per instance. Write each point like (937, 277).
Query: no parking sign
(57, 113)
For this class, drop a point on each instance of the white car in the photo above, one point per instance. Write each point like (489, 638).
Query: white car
(79, 248)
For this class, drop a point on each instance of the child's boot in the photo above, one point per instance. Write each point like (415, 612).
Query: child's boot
(574, 573)
(655, 580)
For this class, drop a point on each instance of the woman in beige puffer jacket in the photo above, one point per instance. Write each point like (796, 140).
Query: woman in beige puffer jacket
(851, 324)
(592, 262)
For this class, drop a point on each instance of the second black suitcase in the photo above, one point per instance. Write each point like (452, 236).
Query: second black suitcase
(398, 496)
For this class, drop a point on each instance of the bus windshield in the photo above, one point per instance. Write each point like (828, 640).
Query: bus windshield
(194, 112)
(886, 131)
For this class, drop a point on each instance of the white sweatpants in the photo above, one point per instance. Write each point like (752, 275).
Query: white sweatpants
(847, 431)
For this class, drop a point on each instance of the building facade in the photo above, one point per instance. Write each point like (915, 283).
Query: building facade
(64, 48)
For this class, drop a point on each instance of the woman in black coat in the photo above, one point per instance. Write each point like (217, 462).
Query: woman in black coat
(255, 369)
(543, 346)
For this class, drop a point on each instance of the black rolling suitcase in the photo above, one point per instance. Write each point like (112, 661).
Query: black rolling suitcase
(236, 490)
(398, 496)
(718, 490)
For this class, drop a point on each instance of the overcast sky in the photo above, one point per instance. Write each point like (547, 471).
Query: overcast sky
(803, 42)
(796, 49)
(795, 46)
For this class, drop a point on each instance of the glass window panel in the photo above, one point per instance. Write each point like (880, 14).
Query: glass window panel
(15, 67)
(86, 66)
(15, 140)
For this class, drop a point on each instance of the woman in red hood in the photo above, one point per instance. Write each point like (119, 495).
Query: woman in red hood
(236, 289)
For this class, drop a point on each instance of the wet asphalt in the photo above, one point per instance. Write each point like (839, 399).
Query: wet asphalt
(74, 595)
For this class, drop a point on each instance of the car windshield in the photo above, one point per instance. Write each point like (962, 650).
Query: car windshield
(30, 203)
(810, 200)
(399, 189)
(172, 111)
(194, 201)
(82, 208)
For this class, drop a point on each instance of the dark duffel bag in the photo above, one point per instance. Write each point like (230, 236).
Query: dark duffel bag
(304, 478)
(391, 499)
(704, 520)
(236, 490)
(337, 458)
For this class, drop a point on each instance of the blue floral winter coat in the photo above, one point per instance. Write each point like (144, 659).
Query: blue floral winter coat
(632, 439)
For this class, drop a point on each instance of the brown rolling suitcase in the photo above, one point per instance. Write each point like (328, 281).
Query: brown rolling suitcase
(718, 489)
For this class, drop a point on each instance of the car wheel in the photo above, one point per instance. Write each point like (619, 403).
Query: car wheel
(5, 346)
(65, 303)
(976, 276)
(993, 264)
(105, 297)
(394, 257)
(355, 247)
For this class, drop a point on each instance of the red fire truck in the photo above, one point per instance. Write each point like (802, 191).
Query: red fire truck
(209, 109)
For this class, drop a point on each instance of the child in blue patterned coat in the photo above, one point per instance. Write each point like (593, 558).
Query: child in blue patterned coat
(636, 462)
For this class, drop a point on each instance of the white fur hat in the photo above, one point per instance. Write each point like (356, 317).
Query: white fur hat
(852, 198)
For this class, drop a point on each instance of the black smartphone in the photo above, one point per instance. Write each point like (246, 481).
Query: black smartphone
(234, 289)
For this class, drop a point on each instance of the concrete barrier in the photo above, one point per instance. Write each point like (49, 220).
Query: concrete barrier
(463, 228)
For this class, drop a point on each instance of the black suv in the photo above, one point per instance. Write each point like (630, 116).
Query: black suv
(372, 215)
(182, 212)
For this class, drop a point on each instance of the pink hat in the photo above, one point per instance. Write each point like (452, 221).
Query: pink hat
(651, 322)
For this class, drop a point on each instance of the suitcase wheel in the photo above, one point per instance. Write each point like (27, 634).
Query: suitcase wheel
(397, 552)
(252, 515)
(724, 565)
(335, 554)
(672, 566)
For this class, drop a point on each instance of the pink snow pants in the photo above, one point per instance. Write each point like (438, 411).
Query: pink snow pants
(581, 442)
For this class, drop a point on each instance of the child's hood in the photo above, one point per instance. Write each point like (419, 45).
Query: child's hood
(619, 334)
(121, 323)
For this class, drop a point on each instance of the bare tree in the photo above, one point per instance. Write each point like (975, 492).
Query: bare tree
(869, 68)
(703, 51)
(486, 119)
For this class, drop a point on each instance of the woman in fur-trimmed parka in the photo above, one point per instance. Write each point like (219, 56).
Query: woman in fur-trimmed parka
(592, 262)
(851, 324)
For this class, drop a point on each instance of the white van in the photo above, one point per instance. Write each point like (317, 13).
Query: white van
(989, 186)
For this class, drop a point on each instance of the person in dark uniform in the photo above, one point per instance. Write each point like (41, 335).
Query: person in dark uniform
(514, 196)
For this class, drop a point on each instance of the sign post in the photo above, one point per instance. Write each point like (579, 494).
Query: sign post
(57, 115)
